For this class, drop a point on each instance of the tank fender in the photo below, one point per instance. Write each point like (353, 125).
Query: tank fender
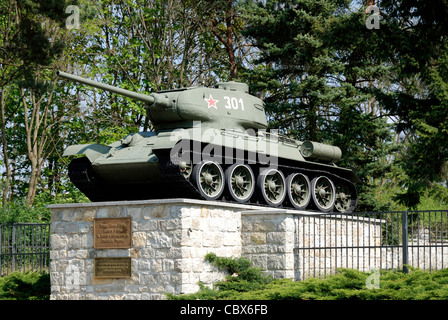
(92, 151)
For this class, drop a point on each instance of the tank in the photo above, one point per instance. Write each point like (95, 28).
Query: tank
(211, 143)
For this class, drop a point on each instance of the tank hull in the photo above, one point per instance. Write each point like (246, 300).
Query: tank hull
(211, 143)
(151, 167)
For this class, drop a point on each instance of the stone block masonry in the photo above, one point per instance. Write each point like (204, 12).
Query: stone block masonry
(169, 241)
(268, 241)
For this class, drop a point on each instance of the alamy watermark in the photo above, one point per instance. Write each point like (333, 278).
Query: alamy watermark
(373, 281)
(72, 22)
(72, 277)
(224, 146)
(373, 21)
(278, 6)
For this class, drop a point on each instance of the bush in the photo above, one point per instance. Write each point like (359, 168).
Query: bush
(19, 212)
(242, 278)
(346, 284)
(25, 286)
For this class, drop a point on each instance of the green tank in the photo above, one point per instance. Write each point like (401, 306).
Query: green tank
(212, 144)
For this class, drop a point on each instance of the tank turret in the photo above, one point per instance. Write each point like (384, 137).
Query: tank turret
(211, 143)
(228, 105)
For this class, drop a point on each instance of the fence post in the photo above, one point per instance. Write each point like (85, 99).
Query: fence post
(404, 239)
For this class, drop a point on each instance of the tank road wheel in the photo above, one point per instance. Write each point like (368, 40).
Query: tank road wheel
(185, 168)
(209, 179)
(240, 182)
(298, 189)
(345, 198)
(271, 184)
(323, 193)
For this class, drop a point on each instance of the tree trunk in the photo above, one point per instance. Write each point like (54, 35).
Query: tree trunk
(36, 137)
(6, 194)
(227, 38)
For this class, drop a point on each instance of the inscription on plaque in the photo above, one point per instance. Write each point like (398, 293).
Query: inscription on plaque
(112, 267)
(112, 233)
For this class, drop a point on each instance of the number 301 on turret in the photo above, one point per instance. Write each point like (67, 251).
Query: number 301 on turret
(234, 103)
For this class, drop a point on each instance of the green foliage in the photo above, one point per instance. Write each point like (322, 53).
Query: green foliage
(380, 95)
(19, 212)
(434, 198)
(25, 286)
(318, 78)
(346, 284)
(242, 278)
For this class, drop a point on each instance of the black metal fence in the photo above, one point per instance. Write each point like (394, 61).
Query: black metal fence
(24, 247)
(370, 241)
(323, 243)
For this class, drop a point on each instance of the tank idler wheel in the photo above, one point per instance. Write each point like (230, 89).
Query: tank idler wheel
(345, 199)
(240, 182)
(299, 190)
(272, 187)
(208, 177)
(323, 193)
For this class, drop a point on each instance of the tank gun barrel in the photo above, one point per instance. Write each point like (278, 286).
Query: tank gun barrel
(130, 94)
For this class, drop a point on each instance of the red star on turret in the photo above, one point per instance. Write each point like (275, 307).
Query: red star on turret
(211, 102)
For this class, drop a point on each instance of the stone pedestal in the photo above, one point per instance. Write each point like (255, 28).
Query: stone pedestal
(162, 245)
(169, 240)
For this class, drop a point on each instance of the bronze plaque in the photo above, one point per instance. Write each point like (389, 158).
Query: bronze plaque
(112, 267)
(112, 233)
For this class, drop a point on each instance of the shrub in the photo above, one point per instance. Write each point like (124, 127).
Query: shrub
(346, 284)
(242, 278)
(25, 286)
(18, 211)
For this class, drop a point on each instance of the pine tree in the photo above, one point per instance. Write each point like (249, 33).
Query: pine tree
(317, 69)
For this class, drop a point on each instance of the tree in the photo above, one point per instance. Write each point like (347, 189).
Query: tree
(317, 70)
(415, 44)
(25, 48)
(34, 37)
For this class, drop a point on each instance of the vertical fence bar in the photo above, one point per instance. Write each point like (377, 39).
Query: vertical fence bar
(442, 238)
(381, 240)
(404, 240)
(315, 246)
(13, 247)
(335, 244)
(22, 248)
(362, 231)
(42, 249)
(302, 251)
(419, 235)
(413, 237)
(425, 241)
(436, 240)
(346, 240)
(325, 245)
(1, 251)
(430, 240)
(353, 244)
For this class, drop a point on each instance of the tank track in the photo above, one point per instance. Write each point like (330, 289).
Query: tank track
(96, 189)
(171, 172)
(174, 183)
(82, 176)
